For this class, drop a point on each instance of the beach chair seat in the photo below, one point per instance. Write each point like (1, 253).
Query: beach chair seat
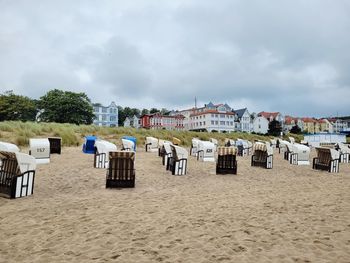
(263, 155)
(226, 161)
(17, 173)
(102, 150)
(55, 145)
(327, 160)
(177, 163)
(121, 170)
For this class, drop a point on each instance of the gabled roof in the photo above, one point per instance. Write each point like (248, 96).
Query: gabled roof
(308, 119)
(240, 112)
(267, 115)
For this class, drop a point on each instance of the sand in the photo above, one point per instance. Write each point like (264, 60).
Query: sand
(287, 214)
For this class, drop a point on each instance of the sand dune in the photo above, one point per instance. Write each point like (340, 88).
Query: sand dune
(287, 214)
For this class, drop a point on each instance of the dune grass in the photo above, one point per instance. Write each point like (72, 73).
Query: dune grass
(73, 135)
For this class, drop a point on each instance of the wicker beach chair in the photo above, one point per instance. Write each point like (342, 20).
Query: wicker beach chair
(102, 150)
(226, 162)
(121, 170)
(177, 163)
(55, 145)
(327, 160)
(206, 151)
(194, 147)
(344, 151)
(167, 154)
(244, 148)
(298, 154)
(151, 144)
(17, 172)
(263, 155)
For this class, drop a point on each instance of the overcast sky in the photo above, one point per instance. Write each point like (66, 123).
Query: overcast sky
(288, 56)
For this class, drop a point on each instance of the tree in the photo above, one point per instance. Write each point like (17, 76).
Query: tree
(66, 107)
(275, 128)
(144, 111)
(16, 107)
(295, 129)
(153, 110)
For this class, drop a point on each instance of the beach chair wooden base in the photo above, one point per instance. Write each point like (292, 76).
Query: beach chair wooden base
(55, 145)
(332, 166)
(226, 164)
(100, 160)
(121, 172)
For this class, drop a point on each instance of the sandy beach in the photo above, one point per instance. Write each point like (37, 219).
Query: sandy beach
(287, 214)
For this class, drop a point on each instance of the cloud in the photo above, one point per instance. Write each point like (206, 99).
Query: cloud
(288, 56)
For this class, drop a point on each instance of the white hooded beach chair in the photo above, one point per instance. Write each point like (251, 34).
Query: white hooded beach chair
(178, 160)
(299, 154)
(282, 146)
(40, 150)
(273, 143)
(8, 147)
(151, 144)
(194, 147)
(263, 155)
(344, 151)
(167, 154)
(206, 151)
(17, 172)
(161, 148)
(102, 150)
(128, 145)
(327, 159)
(216, 143)
(291, 139)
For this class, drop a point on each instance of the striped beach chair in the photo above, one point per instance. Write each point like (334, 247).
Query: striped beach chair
(263, 155)
(226, 162)
(121, 170)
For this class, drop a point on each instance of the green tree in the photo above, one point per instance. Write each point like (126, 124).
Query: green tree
(66, 107)
(295, 129)
(17, 107)
(144, 111)
(275, 128)
(154, 110)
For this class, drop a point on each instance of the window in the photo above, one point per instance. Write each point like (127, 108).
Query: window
(259, 126)
(216, 115)
(222, 123)
(231, 122)
(212, 122)
(212, 115)
(112, 118)
(104, 110)
(203, 122)
(103, 117)
(227, 123)
(216, 122)
(96, 109)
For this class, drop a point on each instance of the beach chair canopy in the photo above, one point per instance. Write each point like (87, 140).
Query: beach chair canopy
(205, 146)
(226, 151)
(8, 147)
(128, 145)
(152, 141)
(179, 152)
(176, 141)
(130, 138)
(161, 142)
(89, 144)
(343, 148)
(263, 147)
(215, 141)
(106, 147)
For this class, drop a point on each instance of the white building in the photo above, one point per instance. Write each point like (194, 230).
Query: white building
(219, 118)
(106, 115)
(243, 120)
(260, 125)
(132, 122)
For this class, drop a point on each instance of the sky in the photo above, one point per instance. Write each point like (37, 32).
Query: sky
(276, 55)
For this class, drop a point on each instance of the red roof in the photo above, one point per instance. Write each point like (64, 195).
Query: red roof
(307, 119)
(267, 115)
(289, 119)
(212, 111)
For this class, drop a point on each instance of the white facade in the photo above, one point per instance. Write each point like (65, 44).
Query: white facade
(260, 125)
(132, 122)
(220, 122)
(106, 116)
(244, 122)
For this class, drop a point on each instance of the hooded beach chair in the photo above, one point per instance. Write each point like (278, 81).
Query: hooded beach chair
(344, 151)
(40, 150)
(194, 147)
(17, 172)
(128, 145)
(263, 155)
(89, 144)
(206, 151)
(298, 154)
(226, 162)
(151, 144)
(216, 143)
(55, 145)
(102, 150)
(121, 170)
(8, 147)
(327, 159)
(161, 148)
(230, 142)
(244, 147)
(178, 160)
(167, 154)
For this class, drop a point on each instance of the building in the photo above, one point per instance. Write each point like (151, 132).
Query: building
(243, 120)
(270, 116)
(290, 122)
(311, 125)
(339, 125)
(132, 122)
(212, 118)
(158, 121)
(106, 115)
(261, 125)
